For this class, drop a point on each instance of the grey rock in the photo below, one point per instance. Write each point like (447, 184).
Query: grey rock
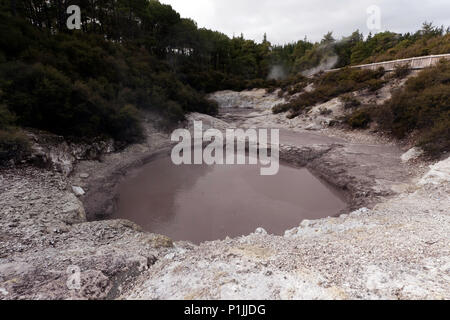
(78, 191)
(260, 231)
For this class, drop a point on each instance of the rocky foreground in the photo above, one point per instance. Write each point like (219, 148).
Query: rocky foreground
(398, 250)
(393, 244)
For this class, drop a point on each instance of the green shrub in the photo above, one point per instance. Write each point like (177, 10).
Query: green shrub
(42, 97)
(271, 89)
(14, 145)
(126, 124)
(349, 101)
(293, 114)
(374, 85)
(6, 117)
(174, 112)
(282, 107)
(333, 84)
(401, 71)
(437, 140)
(324, 111)
(298, 87)
(359, 119)
(423, 105)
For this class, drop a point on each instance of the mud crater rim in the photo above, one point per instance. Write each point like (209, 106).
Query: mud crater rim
(338, 195)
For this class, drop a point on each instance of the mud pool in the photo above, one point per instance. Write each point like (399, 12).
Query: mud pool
(199, 203)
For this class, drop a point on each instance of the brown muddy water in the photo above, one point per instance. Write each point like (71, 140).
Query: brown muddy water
(199, 203)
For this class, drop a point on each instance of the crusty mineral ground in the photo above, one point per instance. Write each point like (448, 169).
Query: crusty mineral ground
(399, 248)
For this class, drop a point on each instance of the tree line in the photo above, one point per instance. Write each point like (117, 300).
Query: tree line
(133, 55)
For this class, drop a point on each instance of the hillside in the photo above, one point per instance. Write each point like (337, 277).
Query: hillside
(420, 108)
(134, 56)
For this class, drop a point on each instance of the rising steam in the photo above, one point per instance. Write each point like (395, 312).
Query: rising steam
(277, 72)
(326, 63)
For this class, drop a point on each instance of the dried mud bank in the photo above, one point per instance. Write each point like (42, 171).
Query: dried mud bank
(44, 232)
(397, 249)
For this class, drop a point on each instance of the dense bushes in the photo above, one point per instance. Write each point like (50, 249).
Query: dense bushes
(423, 105)
(43, 97)
(401, 71)
(437, 139)
(14, 145)
(349, 101)
(13, 142)
(359, 119)
(330, 85)
(79, 85)
(7, 118)
(90, 83)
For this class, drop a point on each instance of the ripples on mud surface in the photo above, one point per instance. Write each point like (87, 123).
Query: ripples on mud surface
(199, 202)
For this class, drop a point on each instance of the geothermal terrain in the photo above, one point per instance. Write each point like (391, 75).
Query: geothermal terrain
(392, 242)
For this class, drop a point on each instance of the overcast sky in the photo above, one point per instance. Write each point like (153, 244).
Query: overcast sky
(291, 20)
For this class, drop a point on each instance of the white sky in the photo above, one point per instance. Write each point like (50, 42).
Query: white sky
(292, 20)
